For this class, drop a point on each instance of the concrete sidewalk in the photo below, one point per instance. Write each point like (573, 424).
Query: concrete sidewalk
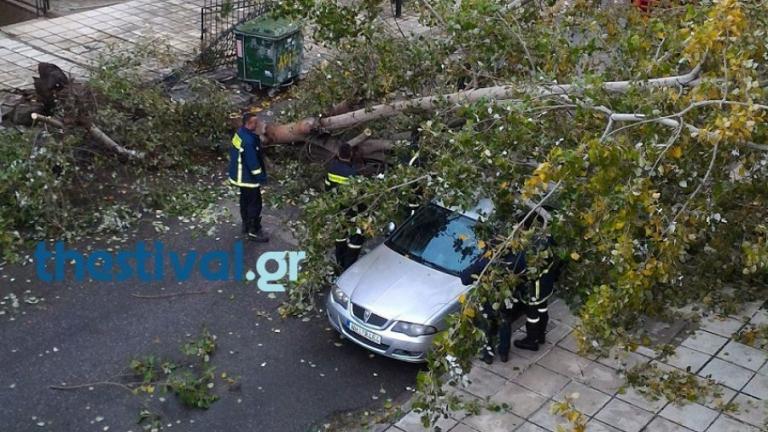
(531, 381)
(74, 42)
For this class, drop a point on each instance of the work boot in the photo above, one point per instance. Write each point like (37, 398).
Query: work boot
(487, 355)
(255, 232)
(530, 341)
(504, 357)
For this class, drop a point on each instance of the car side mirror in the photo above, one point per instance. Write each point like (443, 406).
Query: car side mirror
(391, 227)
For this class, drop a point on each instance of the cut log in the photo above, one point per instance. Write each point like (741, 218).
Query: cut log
(360, 138)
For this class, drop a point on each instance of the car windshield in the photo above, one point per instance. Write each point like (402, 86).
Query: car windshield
(439, 238)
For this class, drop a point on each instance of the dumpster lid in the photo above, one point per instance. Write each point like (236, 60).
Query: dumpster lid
(268, 26)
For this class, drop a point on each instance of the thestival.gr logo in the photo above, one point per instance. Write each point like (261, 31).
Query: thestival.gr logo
(125, 265)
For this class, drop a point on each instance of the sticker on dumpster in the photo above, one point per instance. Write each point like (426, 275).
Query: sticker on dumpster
(239, 45)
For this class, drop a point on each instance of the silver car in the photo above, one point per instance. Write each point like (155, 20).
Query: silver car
(396, 298)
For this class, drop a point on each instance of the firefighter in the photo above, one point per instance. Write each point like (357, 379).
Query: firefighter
(340, 169)
(534, 294)
(497, 322)
(247, 171)
(348, 248)
(413, 159)
(339, 172)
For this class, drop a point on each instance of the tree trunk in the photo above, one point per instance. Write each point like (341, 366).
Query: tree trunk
(300, 130)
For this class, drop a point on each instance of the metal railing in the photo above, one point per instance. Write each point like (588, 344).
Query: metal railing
(42, 7)
(218, 18)
(37, 7)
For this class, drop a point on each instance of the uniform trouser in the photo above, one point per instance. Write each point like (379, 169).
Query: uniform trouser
(537, 318)
(340, 252)
(348, 252)
(250, 206)
(497, 323)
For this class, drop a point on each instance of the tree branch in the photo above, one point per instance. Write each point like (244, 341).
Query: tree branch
(96, 133)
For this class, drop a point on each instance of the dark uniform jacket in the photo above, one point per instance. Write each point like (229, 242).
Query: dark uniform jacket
(246, 163)
(537, 291)
(339, 172)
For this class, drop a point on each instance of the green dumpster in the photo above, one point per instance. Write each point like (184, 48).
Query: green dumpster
(268, 51)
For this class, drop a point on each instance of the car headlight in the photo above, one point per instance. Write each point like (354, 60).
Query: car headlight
(339, 296)
(412, 329)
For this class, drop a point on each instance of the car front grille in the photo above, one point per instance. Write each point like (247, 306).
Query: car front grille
(373, 320)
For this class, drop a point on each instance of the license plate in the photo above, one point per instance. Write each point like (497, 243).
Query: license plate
(371, 336)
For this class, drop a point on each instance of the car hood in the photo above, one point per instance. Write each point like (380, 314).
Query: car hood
(395, 287)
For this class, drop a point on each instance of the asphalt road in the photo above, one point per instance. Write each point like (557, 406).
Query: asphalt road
(292, 375)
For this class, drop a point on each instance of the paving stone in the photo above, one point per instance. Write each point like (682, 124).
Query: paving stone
(545, 419)
(412, 423)
(638, 399)
(586, 399)
(749, 309)
(601, 377)
(646, 351)
(521, 401)
(727, 373)
(622, 360)
(564, 362)
(660, 424)
(764, 370)
(718, 402)
(705, 342)
(598, 426)
(559, 310)
(759, 318)
(529, 427)
(729, 424)
(751, 410)
(556, 331)
(461, 427)
(723, 326)
(493, 422)
(662, 332)
(464, 397)
(624, 416)
(570, 343)
(509, 370)
(542, 380)
(757, 387)
(688, 359)
(743, 355)
(484, 383)
(693, 416)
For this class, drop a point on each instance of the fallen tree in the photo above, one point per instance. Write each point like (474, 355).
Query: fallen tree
(651, 124)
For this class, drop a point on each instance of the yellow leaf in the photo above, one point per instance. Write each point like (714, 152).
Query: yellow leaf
(462, 237)
(481, 244)
(575, 256)
(676, 152)
(469, 312)
(462, 299)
